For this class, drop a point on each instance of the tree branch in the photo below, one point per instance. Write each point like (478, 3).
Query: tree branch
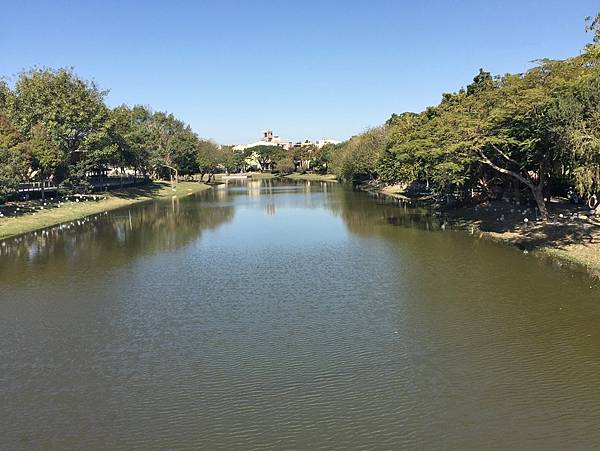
(505, 156)
(502, 170)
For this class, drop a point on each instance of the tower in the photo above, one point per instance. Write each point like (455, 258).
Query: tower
(267, 135)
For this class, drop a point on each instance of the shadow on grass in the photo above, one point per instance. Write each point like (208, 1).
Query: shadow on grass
(559, 235)
(568, 225)
(562, 229)
(151, 190)
(18, 208)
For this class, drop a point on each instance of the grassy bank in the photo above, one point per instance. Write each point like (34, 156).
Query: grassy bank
(251, 175)
(570, 235)
(22, 217)
(312, 177)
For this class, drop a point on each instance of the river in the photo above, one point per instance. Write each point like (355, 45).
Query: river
(290, 315)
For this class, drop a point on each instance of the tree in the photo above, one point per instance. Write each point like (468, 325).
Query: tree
(5, 94)
(13, 156)
(266, 155)
(45, 152)
(120, 131)
(483, 81)
(516, 140)
(139, 137)
(175, 145)
(285, 164)
(232, 160)
(574, 123)
(70, 108)
(592, 50)
(356, 159)
(321, 157)
(495, 123)
(208, 157)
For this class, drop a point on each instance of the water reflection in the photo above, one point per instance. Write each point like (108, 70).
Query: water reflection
(111, 238)
(363, 213)
(264, 314)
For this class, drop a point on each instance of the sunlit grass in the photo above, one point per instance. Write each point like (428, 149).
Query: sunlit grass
(22, 217)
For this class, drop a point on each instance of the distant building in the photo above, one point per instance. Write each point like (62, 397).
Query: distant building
(323, 142)
(269, 139)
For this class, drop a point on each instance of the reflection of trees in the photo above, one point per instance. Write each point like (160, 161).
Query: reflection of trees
(108, 239)
(269, 209)
(362, 212)
(264, 190)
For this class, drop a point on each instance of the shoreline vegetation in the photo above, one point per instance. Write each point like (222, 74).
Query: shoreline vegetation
(572, 238)
(570, 235)
(19, 218)
(513, 157)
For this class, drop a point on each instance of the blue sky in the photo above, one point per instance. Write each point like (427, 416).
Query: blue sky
(306, 69)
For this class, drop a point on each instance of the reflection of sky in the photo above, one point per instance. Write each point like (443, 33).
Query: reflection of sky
(290, 227)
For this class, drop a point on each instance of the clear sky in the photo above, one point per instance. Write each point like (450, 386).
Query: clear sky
(306, 69)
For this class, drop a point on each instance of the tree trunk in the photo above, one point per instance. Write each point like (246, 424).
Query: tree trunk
(516, 191)
(43, 192)
(537, 189)
(538, 195)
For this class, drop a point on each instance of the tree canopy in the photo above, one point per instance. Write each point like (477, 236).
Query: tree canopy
(537, 130)
(56, 126)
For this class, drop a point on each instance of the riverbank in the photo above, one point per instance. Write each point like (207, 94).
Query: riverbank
(570, 235)
(250, 175)
(294, 176)
(311, 177)
(22, 217)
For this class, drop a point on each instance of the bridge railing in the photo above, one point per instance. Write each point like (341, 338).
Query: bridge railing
(97, 183)
(31, 187)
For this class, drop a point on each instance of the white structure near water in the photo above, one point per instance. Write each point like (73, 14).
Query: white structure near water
(269, 139)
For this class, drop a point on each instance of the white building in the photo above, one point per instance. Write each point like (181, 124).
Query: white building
(323, 142)
(267, 139)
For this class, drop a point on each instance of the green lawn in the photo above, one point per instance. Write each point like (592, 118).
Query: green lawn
(23, 217)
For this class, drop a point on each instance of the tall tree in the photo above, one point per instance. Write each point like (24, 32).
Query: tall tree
(209, 156)
(13, 156)
(70, 108)
(174, 145)
(45, 152)
(266, 155)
